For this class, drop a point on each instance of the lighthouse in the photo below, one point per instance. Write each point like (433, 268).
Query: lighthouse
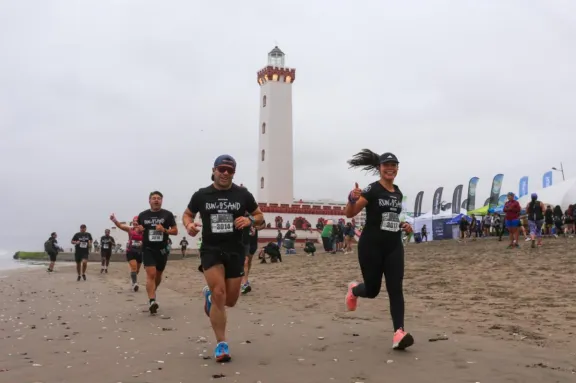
(275, 182)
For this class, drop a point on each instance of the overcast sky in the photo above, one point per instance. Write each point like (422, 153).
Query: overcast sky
(103, 101)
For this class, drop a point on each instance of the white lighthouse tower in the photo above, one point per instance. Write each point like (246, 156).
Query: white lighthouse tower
(275, 137)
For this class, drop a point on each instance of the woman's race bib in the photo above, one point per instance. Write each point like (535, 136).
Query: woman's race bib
(136, 244)
(390, 222)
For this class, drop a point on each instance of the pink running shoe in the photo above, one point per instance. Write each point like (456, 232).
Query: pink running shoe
(402, 340)
(351, 299)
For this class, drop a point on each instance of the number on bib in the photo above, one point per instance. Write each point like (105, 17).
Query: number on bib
(136, 244)
(155, 236)
(390, 222)
(83, 245)
(222, 223)
(105, 246)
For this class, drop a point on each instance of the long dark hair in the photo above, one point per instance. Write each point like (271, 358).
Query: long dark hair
(367, 160)
(558, 211)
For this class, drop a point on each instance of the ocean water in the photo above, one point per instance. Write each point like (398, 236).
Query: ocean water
(8, 263)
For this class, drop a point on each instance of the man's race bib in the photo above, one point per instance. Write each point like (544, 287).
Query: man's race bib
(136, 244)
(222, 223)
(105, 246)
(83, 245)
(390, 222)
(155, 236)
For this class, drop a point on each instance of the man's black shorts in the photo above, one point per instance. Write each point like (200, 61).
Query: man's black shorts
(134, 255)
(231, 258)
(250, 249)
(79, 257)
(52, 257)
(155, 257)
(106, 254)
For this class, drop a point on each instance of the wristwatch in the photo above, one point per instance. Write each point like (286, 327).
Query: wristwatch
(251, 220)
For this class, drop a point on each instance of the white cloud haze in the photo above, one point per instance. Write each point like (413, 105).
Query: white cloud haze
(102, 102)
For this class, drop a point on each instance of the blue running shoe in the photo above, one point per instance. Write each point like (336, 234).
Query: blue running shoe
(207, 300)
(222, 353)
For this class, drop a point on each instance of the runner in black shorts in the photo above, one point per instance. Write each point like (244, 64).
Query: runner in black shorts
(250, 240)
(380, 249)
(106, 243)
(156, 224)
(83, 241)
(222, 207)
(133, 249)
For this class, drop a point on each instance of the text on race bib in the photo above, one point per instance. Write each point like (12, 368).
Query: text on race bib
(105, 246)
(83, 245)
(136, 244)
(390, 222)
(222, 223)
(155, 236)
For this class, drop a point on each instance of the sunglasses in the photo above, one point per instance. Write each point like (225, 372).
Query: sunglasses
(225, 169)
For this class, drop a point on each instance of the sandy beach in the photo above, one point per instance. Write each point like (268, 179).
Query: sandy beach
(502, 316)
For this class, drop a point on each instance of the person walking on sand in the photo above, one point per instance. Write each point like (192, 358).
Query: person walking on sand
(107, 242)
(222, 207)
(156, 224)
(535, 211)
(512, 215)
(380, 248)
(133, 247)
(51, 248)
(82, 242)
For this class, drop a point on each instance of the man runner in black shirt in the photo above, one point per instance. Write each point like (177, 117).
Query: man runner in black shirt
(82, 241)
(222, 207)
(156, 224)
(183, 246)
(107, 243)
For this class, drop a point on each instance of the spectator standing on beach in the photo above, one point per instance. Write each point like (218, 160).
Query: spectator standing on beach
(424, 233)
(380, 249)
(222, 207)
(463, 226)
(51, 248)
(512, 211)
(535, 211)
(279, 239)
(82, 241)
(497, 225)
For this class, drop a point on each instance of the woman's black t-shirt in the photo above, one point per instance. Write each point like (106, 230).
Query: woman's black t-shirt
(383, 212)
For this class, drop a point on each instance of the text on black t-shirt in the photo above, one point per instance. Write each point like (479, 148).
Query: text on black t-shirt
(84, 238)
(107, 242)
(219, 209)
(383, 210)
(153, 238)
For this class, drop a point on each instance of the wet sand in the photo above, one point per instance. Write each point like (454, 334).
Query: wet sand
(508, 316)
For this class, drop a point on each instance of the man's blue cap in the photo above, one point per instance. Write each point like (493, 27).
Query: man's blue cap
(534, 195)
(225, 160)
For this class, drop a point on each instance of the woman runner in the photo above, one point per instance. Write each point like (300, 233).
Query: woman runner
(380, 248)
(134, 248)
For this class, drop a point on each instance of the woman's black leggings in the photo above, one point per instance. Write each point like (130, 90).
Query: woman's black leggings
(375, 261)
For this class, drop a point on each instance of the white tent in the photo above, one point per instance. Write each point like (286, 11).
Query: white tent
(426, 219)
(562, 194)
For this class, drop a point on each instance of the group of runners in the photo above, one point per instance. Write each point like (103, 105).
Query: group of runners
(230, 220)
